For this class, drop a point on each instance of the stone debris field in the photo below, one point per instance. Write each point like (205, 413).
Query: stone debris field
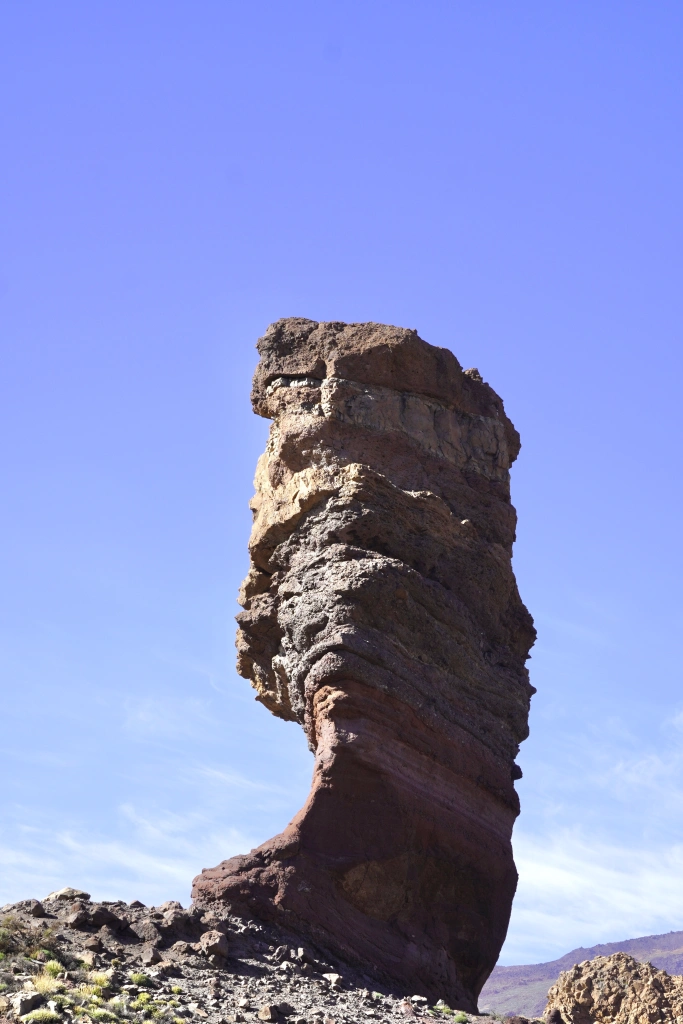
(66, 959)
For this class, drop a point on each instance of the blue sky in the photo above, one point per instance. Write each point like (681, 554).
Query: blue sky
(503, 177)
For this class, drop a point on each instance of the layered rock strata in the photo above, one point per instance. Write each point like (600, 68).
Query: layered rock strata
(381, 613)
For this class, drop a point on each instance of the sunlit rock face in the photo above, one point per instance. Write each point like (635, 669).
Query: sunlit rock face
(381, 613)
(615, 989)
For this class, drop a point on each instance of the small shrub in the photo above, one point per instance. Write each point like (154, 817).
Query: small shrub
(178, 1020)
(176, 989)
(42, 1017)
(99, 1014)
(140, 979)
(47, 983)
(460, 1018)
(99, 978)
(3, 986)
(53, 968)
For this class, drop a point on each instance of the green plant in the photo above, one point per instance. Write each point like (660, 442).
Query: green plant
(141, 1002)
(98, 978)
(141, 979)
(105, 1015)
(178, 1020)
(47, 983)
(42, 1017)
(17, 937)
(3, 986)
(176, 989)
(62, 999)
(461, 1018)
(53, 968)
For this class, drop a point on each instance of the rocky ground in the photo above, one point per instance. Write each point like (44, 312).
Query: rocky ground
(66, 958)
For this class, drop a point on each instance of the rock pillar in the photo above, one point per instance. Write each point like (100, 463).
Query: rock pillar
(381, 613)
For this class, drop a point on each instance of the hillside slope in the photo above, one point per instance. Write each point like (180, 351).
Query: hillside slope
(523, 989)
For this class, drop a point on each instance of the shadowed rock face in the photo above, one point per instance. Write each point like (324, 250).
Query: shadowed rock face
(382, 614)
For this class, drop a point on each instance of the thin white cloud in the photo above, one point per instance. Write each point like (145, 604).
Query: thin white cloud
(574, 891)
(235, 781)
(154, 860)
(167, 719)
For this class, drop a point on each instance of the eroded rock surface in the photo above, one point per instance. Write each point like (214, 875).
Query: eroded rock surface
(382, 614)
(615, 989)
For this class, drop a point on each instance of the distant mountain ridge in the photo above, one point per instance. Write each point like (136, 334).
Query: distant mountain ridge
(523, 989)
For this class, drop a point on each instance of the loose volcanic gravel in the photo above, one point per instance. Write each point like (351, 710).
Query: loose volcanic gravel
(66, 958)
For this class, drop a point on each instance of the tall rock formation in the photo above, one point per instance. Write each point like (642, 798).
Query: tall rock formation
(381, 613)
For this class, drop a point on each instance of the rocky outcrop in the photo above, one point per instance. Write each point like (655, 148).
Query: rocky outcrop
(523, 988)
(615, 989)
(381, 613)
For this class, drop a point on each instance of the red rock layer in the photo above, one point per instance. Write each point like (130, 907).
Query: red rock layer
(382, 614)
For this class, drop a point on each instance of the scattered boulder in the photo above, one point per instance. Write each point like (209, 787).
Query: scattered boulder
(214, 942)
(147, 931)
(150, 955)
(181, 948)
(24, 1002)
(67, 894)
(89, 957)
(615, 989)
(268, 1012)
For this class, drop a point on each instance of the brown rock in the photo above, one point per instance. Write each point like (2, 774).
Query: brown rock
(214, 942)
(77, 919)
(381, 613)
(181, 948)
(147, 931)
(615, 990)
(150, 955)
(267, 1013)
(67, 893)
(24, 1002)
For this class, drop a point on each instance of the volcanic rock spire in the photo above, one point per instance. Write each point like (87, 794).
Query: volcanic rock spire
(381, 613)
